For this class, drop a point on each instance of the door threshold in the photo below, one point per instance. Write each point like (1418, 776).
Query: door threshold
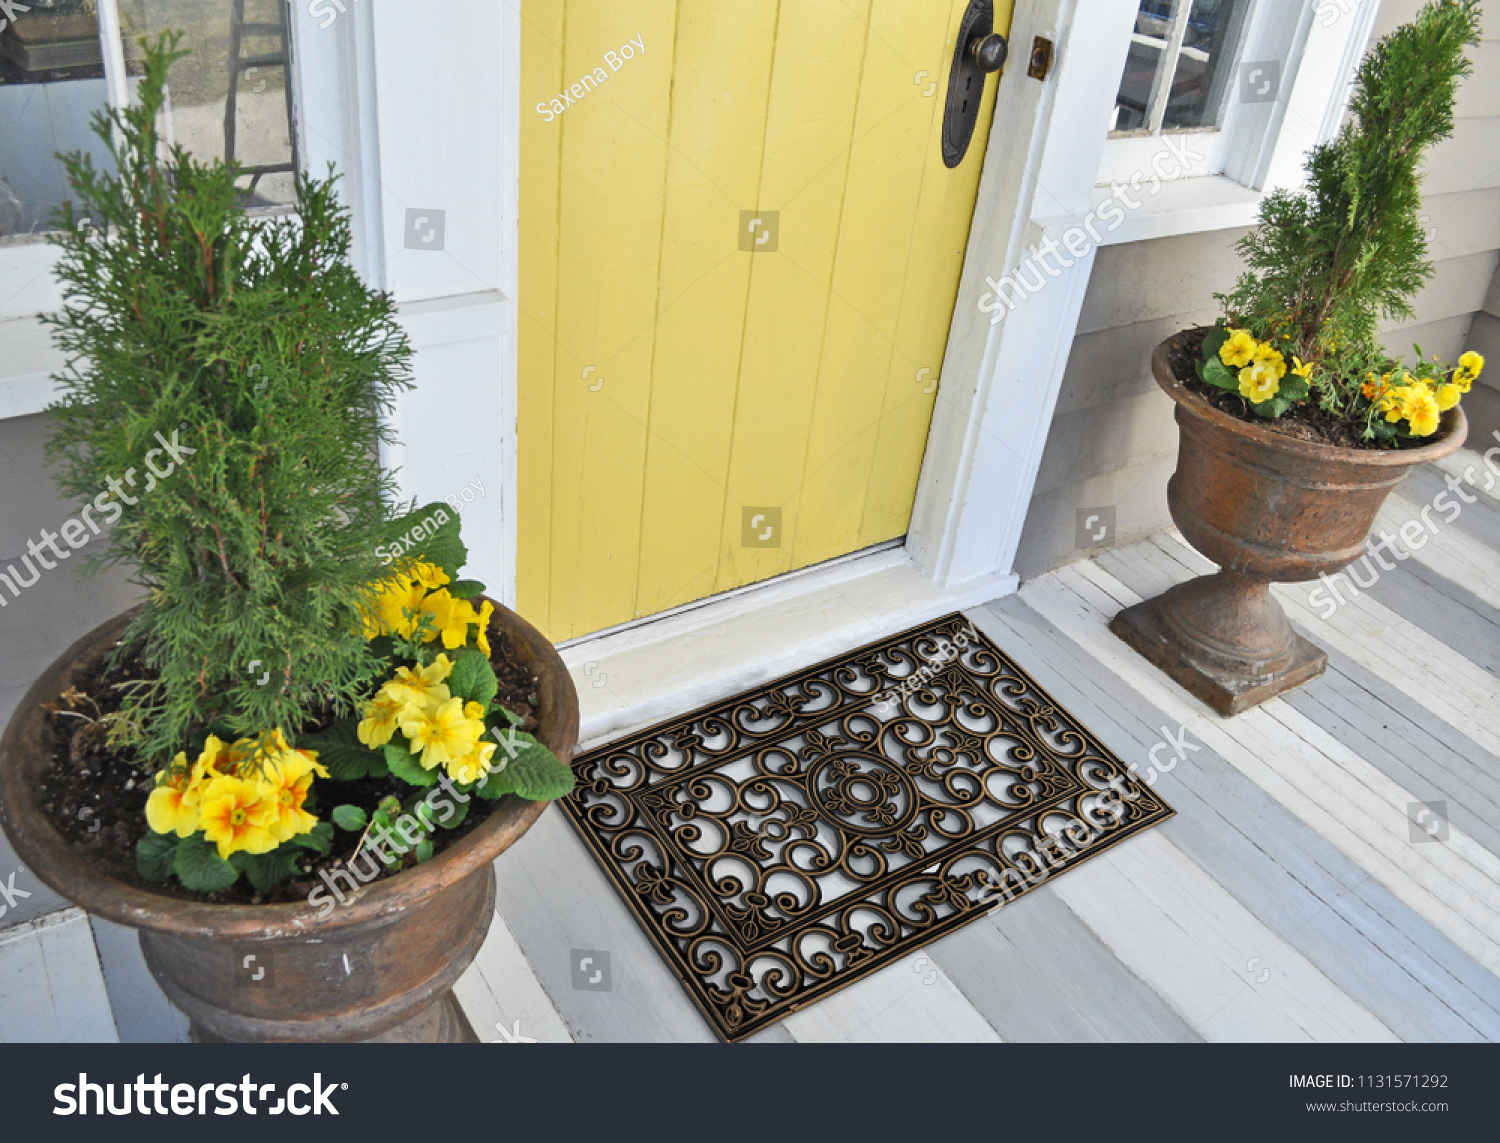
(721, 596)
(645, 671)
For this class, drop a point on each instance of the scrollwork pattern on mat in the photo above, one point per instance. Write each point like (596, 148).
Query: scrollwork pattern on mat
(785, 842)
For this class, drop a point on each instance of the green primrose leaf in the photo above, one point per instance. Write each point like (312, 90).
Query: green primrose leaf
(1220, 376)
(350, 818)
(199, 867)
(473, 679)
(319, 838)
(404, 765)
(423, 851)
(527, 768)
(153, 855)
(346, 757)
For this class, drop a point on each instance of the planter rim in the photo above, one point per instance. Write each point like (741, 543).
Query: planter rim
(49, 856)
(1451, 434)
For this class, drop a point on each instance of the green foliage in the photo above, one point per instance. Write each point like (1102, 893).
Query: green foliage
(350, 818)
(345, 756)
(266, 870)
(154, 854)
(198, 865)
(1328, 261)
(473, 679)
(319, 839)
(254, 345)
(404, 764)
(526, 767)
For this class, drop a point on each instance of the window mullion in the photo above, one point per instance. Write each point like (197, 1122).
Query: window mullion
(112, 47)
(1162, 90)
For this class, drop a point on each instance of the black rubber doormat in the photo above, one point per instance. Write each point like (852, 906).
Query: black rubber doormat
(784, 843)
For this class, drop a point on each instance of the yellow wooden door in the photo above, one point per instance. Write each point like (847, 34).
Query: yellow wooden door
(740, 250)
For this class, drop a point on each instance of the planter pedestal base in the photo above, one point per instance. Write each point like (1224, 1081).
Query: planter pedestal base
(442, 1022)
(1224, 638)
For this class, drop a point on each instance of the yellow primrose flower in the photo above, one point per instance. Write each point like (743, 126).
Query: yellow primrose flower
(472, 766)
(284, 788)
(443, 734)
(1301, 370)
(1259, 382)
(173, 805)
(382, 715)
(423, 686)
(1448, 395)
(452, 618)
(486, 609)
(428, 575)
(399, 597)
(1271, 357)
(1393, 404)
(1421, 411)
(234, 817)
(1238, 350)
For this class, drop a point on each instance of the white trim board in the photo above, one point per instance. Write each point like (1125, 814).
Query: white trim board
(638, 675)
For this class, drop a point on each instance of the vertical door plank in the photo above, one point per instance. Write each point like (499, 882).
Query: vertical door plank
(939, 239)
(892, 132)
(719, 92)
(614, 163)
(815, 85)
(541, 152)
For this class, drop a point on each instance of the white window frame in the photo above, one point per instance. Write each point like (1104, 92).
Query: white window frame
(28, 285)
(1257, 147)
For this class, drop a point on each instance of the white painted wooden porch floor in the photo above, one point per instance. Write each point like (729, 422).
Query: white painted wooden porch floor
(1287, 901)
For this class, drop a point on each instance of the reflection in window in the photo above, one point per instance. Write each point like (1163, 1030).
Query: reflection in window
(1181, 55)
(228, 99)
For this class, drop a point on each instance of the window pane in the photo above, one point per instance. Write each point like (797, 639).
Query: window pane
(259, 128)
(1148, 47)
(51, 82)
(1204, 66)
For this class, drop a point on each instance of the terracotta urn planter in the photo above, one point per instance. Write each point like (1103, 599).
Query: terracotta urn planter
(1267, 508)
(379, 967)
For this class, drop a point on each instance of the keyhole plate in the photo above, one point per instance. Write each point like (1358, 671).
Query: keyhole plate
(965, 83)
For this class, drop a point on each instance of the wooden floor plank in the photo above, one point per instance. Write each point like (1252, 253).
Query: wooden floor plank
(501, 995)
(556, 899)
(141, 1011)
(909, 1002)
(51, 987)
(1356, 932)
(1228, 974)
(1080, 606)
